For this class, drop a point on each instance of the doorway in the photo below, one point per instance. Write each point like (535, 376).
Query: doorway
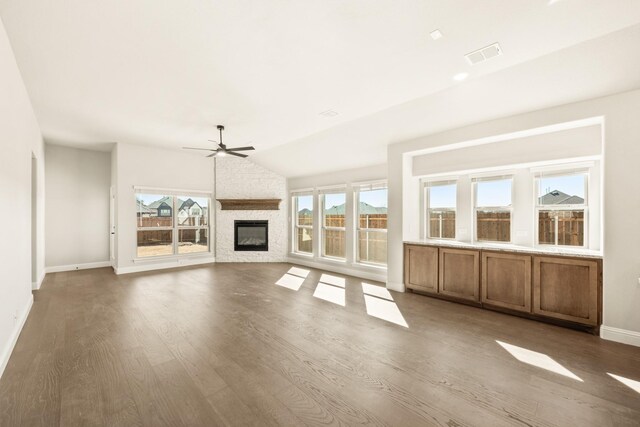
(34, 222)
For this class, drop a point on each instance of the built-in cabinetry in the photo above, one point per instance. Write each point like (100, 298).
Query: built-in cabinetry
(560, 288)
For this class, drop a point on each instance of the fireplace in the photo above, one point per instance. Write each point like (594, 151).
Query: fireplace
(251, 236)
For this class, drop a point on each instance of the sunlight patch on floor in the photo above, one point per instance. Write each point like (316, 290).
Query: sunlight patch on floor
(290, 281)
(334, 294)
(300, 272)
(539, 360)
(332, 280)
(376, 291)
(632, 384)
(385, 310)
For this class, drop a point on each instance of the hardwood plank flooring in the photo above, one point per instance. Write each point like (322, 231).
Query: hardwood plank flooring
(224, 345)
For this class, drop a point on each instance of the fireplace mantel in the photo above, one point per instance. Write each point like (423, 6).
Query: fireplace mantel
(250, 204)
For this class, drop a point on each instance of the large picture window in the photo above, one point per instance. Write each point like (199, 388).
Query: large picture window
(303, 223)
(493, 209)
(441, 209)
(333, 225)
(371, 233)
(561, 209)
(171, 225)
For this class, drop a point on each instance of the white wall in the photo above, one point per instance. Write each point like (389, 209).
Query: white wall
(156, 168)
(20, 139)
(242, 179)
(345, 179)
(621, 176)
(77, 200)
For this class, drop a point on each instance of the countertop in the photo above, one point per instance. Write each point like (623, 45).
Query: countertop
(496, 247)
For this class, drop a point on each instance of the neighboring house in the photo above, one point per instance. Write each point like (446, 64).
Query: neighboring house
(365, 209)
(143, 210)
(556, 197)
(186, 209)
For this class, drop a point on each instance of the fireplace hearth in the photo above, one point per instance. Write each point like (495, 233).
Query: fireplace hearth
(251, 235)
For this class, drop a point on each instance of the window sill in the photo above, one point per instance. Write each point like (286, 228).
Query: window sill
(301, 254)
(379, 267)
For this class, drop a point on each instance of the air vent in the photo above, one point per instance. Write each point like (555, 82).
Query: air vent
(329, 113)
(481, 55)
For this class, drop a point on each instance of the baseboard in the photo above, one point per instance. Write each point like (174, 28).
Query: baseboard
(36, 285)
(6, 352)
(73, 267)
(161, 265)
(341, 269)
(398, 287)
(620, 335)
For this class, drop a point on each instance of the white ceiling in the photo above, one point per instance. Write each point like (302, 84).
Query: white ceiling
(164, 73)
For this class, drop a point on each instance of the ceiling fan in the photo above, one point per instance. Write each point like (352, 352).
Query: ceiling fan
(222, 149)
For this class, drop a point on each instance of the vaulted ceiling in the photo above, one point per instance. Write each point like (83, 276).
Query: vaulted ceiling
(164, 73)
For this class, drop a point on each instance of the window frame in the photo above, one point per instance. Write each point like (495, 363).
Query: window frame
(584, 207)
(426, 216)
(479, 179)
(324, 227)
(377, 185)
(296, 226)
(175, 228)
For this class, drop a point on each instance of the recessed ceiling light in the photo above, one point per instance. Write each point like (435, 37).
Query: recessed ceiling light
(329, 113)
(552, 2)
(460, 76)
(436, 34)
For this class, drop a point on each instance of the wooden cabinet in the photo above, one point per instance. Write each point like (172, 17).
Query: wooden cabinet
(421, 268)
(506, 280)
(459, 273)
(557, 288)
(566, 288)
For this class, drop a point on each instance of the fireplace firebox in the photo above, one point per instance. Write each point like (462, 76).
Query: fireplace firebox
(251, 236)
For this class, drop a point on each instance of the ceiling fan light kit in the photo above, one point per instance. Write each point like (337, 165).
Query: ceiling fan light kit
(222, 150)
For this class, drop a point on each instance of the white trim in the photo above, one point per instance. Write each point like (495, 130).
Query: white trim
(337, 268)
(398, 287)
(620, 335)
(6, 352)
(170, 191)
(36, 285)
(72, 267)
(172, 263)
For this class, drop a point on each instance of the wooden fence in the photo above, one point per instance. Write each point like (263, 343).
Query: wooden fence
(570, 227)
(493, 226)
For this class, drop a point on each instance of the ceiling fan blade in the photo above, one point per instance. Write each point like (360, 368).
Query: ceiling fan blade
(211, 140)
(213, 154)
(240, 149)
(204, 149)
(236, 154)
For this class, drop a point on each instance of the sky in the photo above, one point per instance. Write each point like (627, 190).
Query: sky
(572, 185)
(376, 198)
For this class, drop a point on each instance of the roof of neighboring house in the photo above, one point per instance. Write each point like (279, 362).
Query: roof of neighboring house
(365, 208)
(142, 208)
(556, 197)
(165, 199)
(187, 204)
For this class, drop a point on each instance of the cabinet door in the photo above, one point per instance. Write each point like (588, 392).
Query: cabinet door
(421, 268)
(566, 288)
(506, 280)
(459, 273)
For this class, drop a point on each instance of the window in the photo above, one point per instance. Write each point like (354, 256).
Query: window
(493, 207)
(372, 224)
(441, 209)
(303, 223)
(171, 225)
(561, 209)
(333, 225)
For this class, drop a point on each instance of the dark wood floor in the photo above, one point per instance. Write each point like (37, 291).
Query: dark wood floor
(224, 345)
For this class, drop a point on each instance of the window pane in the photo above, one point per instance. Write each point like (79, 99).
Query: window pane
(493, 193)
(561, 190)
(372, 246)
(304, 205)
(304, 242)
(442, 196)
(334, 209)
(192, 211)
(334, 243)
(193, 241)
(372, 209)
(153, 210)
(155, 243)
(442, 224)
(493, 225)
(569, 224)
